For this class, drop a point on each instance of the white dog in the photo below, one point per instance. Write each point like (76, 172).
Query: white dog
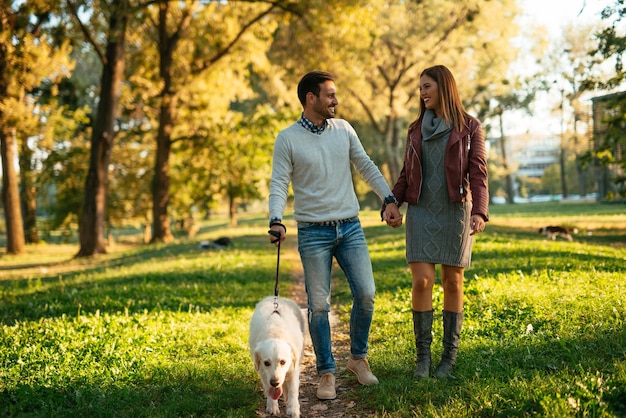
(277, 345)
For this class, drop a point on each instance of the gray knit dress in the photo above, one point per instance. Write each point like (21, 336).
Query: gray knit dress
(437, 231)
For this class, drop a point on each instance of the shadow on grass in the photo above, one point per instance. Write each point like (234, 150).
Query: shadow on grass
(494, 368)
(166, 394)
(505, 260)
(244, 272)
(510, 377)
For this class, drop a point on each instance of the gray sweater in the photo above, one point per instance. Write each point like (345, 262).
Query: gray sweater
(318, 167)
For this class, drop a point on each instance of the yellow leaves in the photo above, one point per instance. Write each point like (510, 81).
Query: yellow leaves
(30, 60)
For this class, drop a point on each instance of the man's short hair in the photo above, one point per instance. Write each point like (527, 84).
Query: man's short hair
(310, 82)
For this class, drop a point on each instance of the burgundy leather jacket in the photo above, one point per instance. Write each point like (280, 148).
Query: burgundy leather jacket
(466, 168)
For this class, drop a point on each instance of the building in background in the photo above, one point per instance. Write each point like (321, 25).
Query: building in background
(609, 137)
(534, 154)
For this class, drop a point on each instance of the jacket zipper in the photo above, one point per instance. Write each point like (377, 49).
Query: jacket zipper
(469, 144)
(417, 158)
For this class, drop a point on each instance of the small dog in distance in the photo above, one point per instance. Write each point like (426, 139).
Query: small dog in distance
(218, 244)
(552, 232)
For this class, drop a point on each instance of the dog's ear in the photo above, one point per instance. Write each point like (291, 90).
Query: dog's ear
(294, 356)
(257, 359)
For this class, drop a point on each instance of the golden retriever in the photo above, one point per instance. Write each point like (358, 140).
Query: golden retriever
(276, 342)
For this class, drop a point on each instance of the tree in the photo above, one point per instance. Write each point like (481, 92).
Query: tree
(191, 42)
(519, 97)
(28, 56)
(612, 42)
(572, 63)
(117, 15)
(388, 44)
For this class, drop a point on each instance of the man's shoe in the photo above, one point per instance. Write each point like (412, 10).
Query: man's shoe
(361, 368)
(326, 387)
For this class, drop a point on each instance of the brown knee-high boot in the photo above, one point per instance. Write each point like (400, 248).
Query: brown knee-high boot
(452, 322)
(422, 328)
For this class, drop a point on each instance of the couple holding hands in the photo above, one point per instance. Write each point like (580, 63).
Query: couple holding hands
(443, 183)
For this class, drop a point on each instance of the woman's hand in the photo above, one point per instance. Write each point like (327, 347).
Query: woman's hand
(477, 224)
(392, 215)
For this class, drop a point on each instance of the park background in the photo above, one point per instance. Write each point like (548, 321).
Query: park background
(131, 131)
(158, 114)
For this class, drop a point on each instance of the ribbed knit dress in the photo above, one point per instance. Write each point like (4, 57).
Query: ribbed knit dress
(437, 231)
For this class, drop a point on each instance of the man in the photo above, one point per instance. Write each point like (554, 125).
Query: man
(315, 155)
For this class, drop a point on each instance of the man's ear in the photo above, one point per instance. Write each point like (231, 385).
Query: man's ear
(310, 97)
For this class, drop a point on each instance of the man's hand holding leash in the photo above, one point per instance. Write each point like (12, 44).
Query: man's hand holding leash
(278, 233)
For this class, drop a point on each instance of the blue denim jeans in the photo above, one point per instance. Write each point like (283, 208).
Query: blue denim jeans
(345, 241)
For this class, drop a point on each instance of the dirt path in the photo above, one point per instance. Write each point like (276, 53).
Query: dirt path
(310, 406)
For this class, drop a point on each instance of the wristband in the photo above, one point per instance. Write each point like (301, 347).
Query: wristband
(390, 199)
(274, 220)
(279, 224)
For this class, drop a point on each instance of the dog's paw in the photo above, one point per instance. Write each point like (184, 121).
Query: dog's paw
(293, 410)
(271, 407)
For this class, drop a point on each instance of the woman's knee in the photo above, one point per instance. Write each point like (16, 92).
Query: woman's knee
(423, 278)
(452, 281)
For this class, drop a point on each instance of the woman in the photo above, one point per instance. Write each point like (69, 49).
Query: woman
(444, 182)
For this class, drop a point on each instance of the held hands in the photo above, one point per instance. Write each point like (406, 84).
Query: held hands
(477, 224)
(392, 215)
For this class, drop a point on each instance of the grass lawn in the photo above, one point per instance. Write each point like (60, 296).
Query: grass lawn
(161, 331)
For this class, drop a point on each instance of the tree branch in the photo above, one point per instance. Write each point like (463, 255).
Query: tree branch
(224, 51)
(90, 38)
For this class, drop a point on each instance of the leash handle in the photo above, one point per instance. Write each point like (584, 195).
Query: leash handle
(277, 240)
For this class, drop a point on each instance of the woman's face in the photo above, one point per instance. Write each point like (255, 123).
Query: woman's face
(429, 93)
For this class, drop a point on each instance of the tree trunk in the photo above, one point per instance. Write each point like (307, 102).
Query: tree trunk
(10, 178)
(510, 191)
(563, 172)
(167, 111)
(161, 185)
(393, 144)
(10, 194)
(580, 171)
(28, 195)
(93, 216)
(562, 158)
(232, 210)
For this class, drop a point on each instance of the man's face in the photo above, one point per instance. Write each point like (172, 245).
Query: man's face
(324, 105)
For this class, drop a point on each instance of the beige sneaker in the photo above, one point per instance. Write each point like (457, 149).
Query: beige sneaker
(361, 368)
(326, 387)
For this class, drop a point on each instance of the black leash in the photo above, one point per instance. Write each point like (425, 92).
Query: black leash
(277, 235)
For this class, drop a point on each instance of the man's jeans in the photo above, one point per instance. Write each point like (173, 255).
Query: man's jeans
(318, 244)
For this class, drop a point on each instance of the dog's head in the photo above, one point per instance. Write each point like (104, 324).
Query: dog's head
(273, 359)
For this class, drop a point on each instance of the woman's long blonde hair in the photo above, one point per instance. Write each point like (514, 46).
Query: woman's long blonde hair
(452, 108)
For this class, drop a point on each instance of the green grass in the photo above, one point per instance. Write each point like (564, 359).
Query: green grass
(161, 331)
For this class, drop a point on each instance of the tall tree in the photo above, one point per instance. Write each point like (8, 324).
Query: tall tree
(27, 57)
(117, 15)
(388, 44)
(219, 29)
(612, 41)
(581, 63)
